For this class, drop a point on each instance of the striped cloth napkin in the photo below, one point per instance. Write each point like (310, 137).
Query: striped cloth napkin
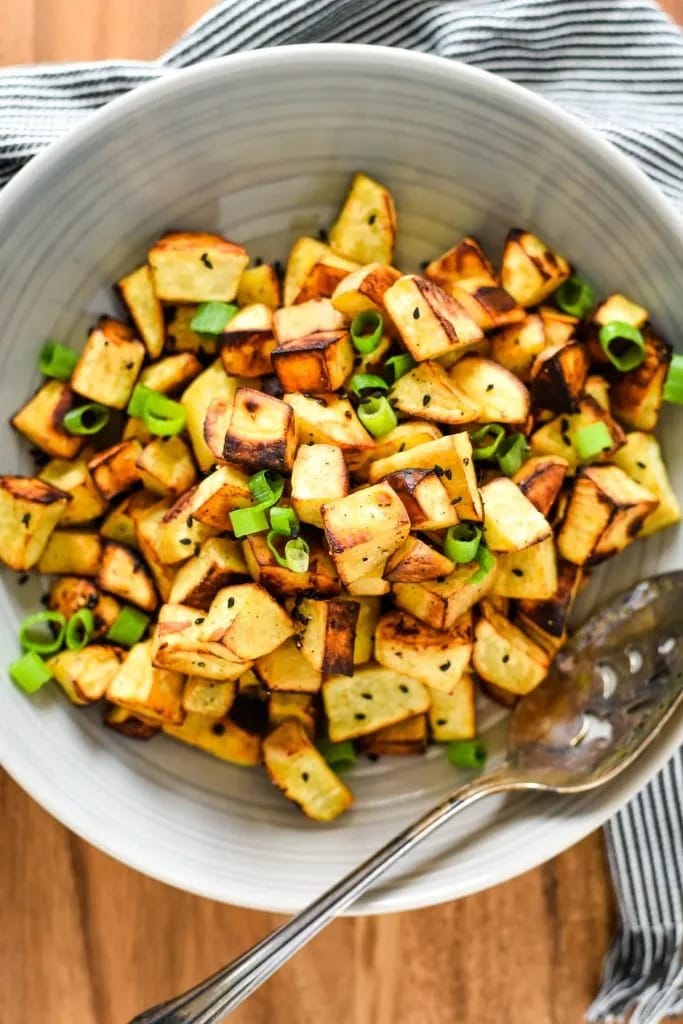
(616, 64)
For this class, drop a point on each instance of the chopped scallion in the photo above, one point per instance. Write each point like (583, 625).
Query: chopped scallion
(79, 629)
(29, 672)
(366, 331)
(511, 453)
(284, 521)
(56, 360)
(212, 317)
(339, 756)
(129, 626)
(485, 560)
(398, 366)
(466, 753)
(367, 382)
(377, 416)
(462, 542)
(86, 419)
(42, 632)
(592, 440)
(575, 297)
(296, 555)
(673, 385)
(486, 441)
(623, 344)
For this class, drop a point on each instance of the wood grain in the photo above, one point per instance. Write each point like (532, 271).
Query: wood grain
(84, 940)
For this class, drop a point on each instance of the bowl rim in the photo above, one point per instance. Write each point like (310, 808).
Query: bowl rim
(394, 897)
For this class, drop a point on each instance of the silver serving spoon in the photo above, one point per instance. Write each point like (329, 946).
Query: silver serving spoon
(608, 694)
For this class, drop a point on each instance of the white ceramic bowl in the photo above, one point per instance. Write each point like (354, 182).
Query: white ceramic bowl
(261, 147)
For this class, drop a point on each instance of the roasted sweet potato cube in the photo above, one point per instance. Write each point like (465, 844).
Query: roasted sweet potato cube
(180, 534)
(365, 229)
(494, 392)
(71, 552)
(260, 284)
(222, 738)
(320, 578)
(137, 291)
(218, 563)
(248, 341)
(416, 561)
(302, 774)
(430, 322)
(212, 384)
(287, 669)
(115, 470)
(135, 727)
(109, 364)
(517, 346)
(554, 440)
(262, 431)
(69, 594)
(429, 392)
(166, 466)
(636, 397)
(540, 480)
(504, 656)
(177, 645)
(40, 420)
(425, 498)
(558, 376)
(191, 266)
(531, 573)
(452, 716)
(181, 338)
(551, 616)
(171, 373)
(298, 706)
(328, 419)
(363, 529)
(605, 514)
(530, 270)
(403, 738)
(440, 603)
(246, 621)
(85, 675)
(319, 474)
(72, 477)
(371, 699)
(144, 689)
(511, 521)
(148, 520)
(364, 289)
(316, 362)
(411, 647)
(122, 572)
(641, 458)
(327, 632)
(209, 697)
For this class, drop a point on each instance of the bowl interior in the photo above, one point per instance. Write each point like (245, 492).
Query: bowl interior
(261, 147)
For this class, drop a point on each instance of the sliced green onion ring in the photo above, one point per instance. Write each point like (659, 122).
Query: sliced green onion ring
(399, 365)
(511, 453)
(673, 385)
(486, 441)
(462, 542)
(623, 344)
(36, 633)
(251, 519)
(29, 672)
(365, 382)
(377, 416)
(339, 756)
(79, 629)
(212, 317)
(129, 626)
(485, 560)
(466, 753)
(162, 416)
(284, 521)
(575, 297)
(266, 487)
(137, 402)
(296, 556)
(56, 360)
(86, 419)
(366, 331)
(591, 440)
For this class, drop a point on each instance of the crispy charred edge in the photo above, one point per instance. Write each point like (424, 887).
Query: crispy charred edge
(33, 490)
(551, 616)
(436, 297)
(131, 726)
(559, 378)
(518, 235)
(342, 620)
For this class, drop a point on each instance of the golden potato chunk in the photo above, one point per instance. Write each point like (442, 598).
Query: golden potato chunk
(409, 646)
(115, 469)
(85, 675)
(363, 529)
(135, 727)
(403, 738)
(504, 656)
(425, 498)
(303, 256)
(246, 621)
(302, 774)
(40, 420)
(299, 706)
(549, 618)
(173, 372)
(140, 687)
(72, 477)
(511, 521)
(218, 563)
(320, 578)
(452, 716)
(429, 392)
(68, 594)
(558, 376)
(287, 669)
(137, 291)
(430, 322)
(517, 346)
(71, 552)
(464, 261)
(191, 266)
(416, 561)
(222, 738)
(636, 397)
(181, 338)
(364, 289)
(259, 284)
(179, 533)
(122, 572)
(365, 230)
(327, 631)
(641, 458)
(372, 698)
(368, 616)
(316, 362)
(486, 302)
(319, 475)
(119, 525)
(262, 431)
(531, 271)
(109, 364)
(209, 697)
(495, 394)
(559, 327)
(405, 436)
(328, 419)
(323, 277)
(178, 645)
(212, 384)
(247, 342)
(540, 480)
(166, 466)
(148, 520)
(440, 603)
(530, 573)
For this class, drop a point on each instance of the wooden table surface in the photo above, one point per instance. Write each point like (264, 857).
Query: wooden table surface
(84, 940)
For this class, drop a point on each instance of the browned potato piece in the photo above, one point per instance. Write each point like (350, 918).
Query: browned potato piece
(209, 697)
(328, 419)
(531, 271)
(215, 497)
(171, 373)
(115, 469)
(86, 674)
(425, 498)
(248, 341)
(558, 376)
(316, 362)
(246, 621)
(364, 289)
(464, 261)
(71, 552)
(154, 693)
(327, 632)
(178, 645)
(287, 669)
(128, 724)
(429, 392)
(511, 521)
(262, 431)
(319, 474)
(636, 397)
(222, 738)
(560, 328)
(303, 256)
(320, 578)
(531, 573)
(372, 584)
(218, 563)
(323, 277)
(416, 561)
(40, 420)
(69, 594)
(148, 520)
(517, 346)
(641, 458)
(402, 438)
(440, 603)
(260, 284)
(430, 322)
(403, 738)
(496, 395)
(181, 338)
(551, 616)
(216, 423)
(540, 480)
(487, 303)
(452, 716)
(368, 616)
(72, 477)
(122, 572)
(317, 316)
(597, 388)
(504, 656)
(298, 706)
(191, 266)
(119, 525)
(413, 648)
(137, 291)
(109, 364)
(363, 529)
(166, 466)
(606, 512)
(618, 307)
(392, 698)
(209, 386)
(365, 230)
(302, 774)
(179, 533)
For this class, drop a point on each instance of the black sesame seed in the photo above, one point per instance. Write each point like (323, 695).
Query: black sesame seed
(190, 521)
(206, 261)
(440, 471)
(200, 664)
(23, 579)
(130, 365)
(26, 519)
(445, 667)
(322, 235)
(359, 716)
(426, 399)
(218, 728)
(424, 264)
(185, 540)
(304, 776)
(372, 218)
(402, 446)
(506, 658)
(449, 474)
(403, 688)
(456, 501)
(517, 572)
(199, 621)
(566, 440)
(641, 465)
(442, 721)
(366, 696)
(231, 602)
(490, 387)
(416, 314)
(197, 549)
(258, 261)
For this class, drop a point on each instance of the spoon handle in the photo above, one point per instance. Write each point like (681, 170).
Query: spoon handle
(211, 1000)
